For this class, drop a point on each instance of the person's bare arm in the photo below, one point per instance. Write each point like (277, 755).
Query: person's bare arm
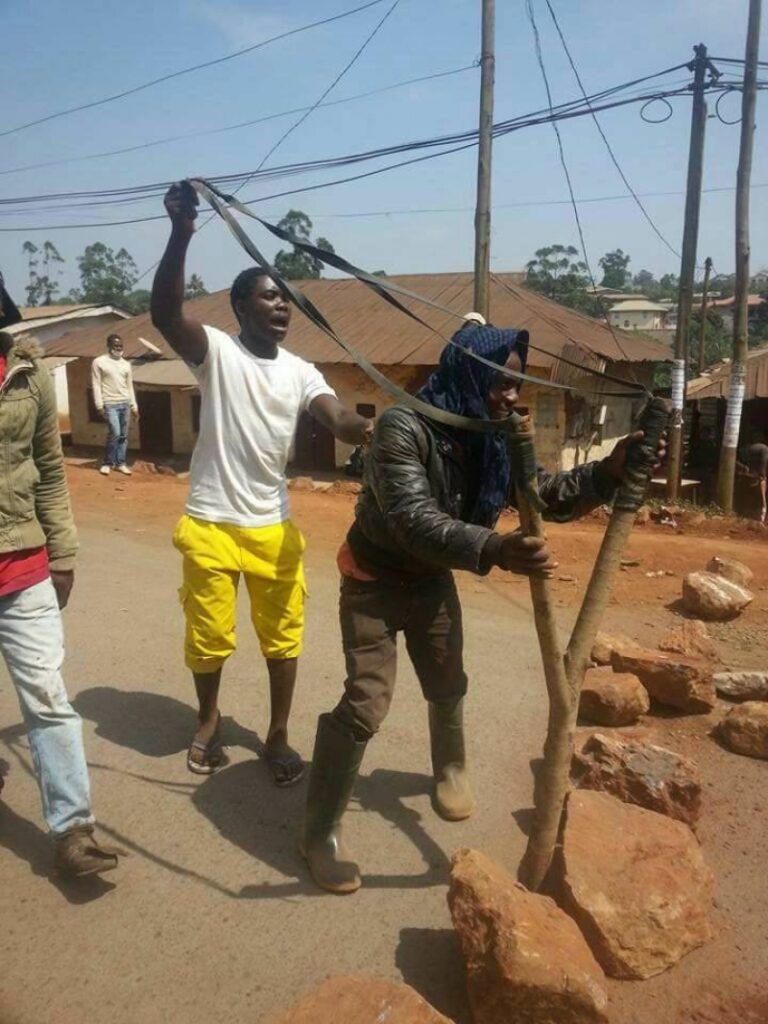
(185, 336)
(349, 427)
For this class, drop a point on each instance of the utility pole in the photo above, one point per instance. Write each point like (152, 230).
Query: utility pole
(483, 207)
(727, 472)
(703, 324)
(687, 270)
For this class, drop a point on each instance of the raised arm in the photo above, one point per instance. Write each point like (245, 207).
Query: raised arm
(185, 336)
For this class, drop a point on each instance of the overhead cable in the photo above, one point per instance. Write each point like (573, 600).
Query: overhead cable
(236, 127)
(189, 70)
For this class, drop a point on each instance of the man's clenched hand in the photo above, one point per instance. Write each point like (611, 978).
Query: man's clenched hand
(525, 556)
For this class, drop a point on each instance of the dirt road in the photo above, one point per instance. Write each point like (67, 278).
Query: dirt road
(211, 916)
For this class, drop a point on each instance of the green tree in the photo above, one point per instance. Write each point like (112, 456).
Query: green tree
(557, 273)
(614, 266)
(644, 280)
(758, 325)
(106, 277)
(195, 288)
(44, 269)
(137, 302)
(297, 265)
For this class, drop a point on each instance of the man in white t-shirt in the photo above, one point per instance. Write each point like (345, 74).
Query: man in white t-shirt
(237, 519)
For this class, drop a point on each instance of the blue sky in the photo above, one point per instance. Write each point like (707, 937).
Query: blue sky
(58, 54)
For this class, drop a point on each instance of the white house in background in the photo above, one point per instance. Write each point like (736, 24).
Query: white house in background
(638, 315)
(47, 323)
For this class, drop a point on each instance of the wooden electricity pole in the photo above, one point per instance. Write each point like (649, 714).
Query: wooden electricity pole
(483, 208)
(727, 470)
(687, 269)
(703, 324)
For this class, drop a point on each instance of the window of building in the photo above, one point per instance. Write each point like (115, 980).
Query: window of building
(366, 409)
(195, 410)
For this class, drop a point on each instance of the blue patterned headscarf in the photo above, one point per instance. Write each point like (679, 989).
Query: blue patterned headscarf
(461, 385)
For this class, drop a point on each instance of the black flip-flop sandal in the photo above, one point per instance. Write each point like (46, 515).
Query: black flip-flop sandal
(285, 761)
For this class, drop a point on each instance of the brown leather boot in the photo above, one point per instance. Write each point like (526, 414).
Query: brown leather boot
(78, 854)
(453, 793)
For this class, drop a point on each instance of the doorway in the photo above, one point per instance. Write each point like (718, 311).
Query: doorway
(155, 424)
(315, 446)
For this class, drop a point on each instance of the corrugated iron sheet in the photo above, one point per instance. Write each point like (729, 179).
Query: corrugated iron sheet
(717, 383)
(387, 337)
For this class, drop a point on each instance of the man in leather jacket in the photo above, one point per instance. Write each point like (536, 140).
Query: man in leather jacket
(431, 499)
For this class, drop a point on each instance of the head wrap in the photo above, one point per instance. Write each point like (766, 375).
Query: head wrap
(461, 385)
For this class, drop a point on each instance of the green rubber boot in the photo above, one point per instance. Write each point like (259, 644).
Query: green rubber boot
(335, 765)
(453, 793)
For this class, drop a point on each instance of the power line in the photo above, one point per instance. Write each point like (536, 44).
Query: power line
(302, 118)
(566, 172)
(604, 137)
(573, 108)
(188, 71)
(235, 127)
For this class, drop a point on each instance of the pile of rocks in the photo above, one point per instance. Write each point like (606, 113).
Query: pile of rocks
(633, 894)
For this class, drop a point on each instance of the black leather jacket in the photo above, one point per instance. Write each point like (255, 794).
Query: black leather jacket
(408, 519)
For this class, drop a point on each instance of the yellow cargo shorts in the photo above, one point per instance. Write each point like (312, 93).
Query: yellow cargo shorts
(215, 557)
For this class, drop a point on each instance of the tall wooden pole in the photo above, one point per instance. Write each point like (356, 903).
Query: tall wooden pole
(483, 207)
(727, 470)
(703, 324)
(687, 270)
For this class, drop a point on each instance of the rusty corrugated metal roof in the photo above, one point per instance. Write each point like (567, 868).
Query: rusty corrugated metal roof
(716, 383)
(388, 338)
(169, 373)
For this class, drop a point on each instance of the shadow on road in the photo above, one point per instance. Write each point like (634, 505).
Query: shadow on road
(151, 723)
(242, 803)
(430, 961)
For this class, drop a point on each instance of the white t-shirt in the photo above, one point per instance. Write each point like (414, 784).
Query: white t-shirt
(249, 409)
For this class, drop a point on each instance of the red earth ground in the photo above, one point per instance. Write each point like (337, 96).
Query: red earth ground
(185, 934)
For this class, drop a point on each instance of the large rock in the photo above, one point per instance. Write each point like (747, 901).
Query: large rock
(739, 686)
(636, 884)
(672, 679)
(640, 773)
(612, 698)
(709, 596)
(354, 999)
(744, 730)
(691, 639)
(606, 643)
(527, 961)
(731, 570)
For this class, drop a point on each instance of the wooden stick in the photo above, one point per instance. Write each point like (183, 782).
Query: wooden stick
(564, 679)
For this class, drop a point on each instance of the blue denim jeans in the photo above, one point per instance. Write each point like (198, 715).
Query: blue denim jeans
(118, 418)
(32, 644)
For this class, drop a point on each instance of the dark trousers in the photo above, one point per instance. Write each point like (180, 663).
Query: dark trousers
(372, 614)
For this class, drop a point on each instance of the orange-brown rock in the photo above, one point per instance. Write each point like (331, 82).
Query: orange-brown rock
(606, 643)
(672, 679)
(527, 961)
(744, 730)
(640, 773)
(690, 638)
(636, 884)
(355, 999)
(612, 698)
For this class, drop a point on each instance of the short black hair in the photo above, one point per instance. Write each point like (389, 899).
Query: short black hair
(114, 339)
(243, 284)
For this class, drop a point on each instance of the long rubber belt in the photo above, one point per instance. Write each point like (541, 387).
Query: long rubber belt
(207, 191)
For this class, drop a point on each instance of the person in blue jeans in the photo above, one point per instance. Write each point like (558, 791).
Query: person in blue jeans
(115, 400)
(37, 558)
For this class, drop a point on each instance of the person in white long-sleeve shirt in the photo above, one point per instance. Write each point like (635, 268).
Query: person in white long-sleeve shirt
(115, 400)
